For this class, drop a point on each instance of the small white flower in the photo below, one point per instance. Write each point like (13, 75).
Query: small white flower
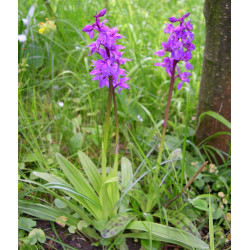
(56, 117)
(139, 118)
(78, 47)
(25, 21)
(60, 104)
(22, 38)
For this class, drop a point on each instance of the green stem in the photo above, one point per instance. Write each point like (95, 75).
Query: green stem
(184, 144)
(158, 162)
(116, 133)
(106, 130)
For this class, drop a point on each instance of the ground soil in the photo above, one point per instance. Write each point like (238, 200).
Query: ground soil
(80, 242)
(74, 240)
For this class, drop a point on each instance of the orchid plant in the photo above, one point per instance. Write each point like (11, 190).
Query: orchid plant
(180, 47)
(94, 205)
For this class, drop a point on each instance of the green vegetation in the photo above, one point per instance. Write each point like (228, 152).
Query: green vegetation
(62, 111)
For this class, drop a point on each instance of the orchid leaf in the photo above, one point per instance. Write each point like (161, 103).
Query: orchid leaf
(166, 234)
(91, 171)
(116, 224)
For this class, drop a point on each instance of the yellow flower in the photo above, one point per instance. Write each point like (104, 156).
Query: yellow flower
(41, 30)
(47, 28)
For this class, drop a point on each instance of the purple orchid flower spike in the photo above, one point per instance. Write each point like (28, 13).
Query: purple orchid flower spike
(101, 13)
(180, 46)
(109, 66)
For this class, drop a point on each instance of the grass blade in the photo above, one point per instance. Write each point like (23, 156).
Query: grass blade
(167, 234)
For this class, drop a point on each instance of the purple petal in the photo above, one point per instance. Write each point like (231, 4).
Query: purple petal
(95, 78)
(188, 66)
(94, 72)
(91, 34)
(160, 53)
(160, 64)
(179, 85)
(87, 28)
(170, 28)
(118, 47)
(172, 19)
(186, 15)
(101, 13)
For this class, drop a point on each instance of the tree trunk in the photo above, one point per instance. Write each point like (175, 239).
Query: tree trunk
(215, 86)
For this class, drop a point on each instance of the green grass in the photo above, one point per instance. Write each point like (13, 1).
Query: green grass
(62, 75)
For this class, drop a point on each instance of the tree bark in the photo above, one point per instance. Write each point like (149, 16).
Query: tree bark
(215, 85)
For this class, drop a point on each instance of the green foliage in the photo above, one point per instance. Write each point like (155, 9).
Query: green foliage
(56, 69)
(165, 234)
(35, 235)
(26, 223)
(215, 116)
(116, 225)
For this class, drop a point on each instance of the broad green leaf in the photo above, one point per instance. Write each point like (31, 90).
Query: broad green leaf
(201, 201)
(91, 171)
(111, 179)
(75, 196)
(35, 58)
(126, 179)
(215, 116)
(109, 195)
(140, 197)
(200, 204)
(106, 203)
(52, 214)
(94, 209)
(116, 224)
(172, 141)
(72, 229)
(217, 213)
(45, 212)
(166, 234)
(76, 142)
(35, 235)
(99, 224)
(181, 221)
(211, 226)
(26, 223)
(82, 224)
(199, 183)
(59, 204)
(79, 182)
(50, 177)
(59, 184)
(127, 172)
